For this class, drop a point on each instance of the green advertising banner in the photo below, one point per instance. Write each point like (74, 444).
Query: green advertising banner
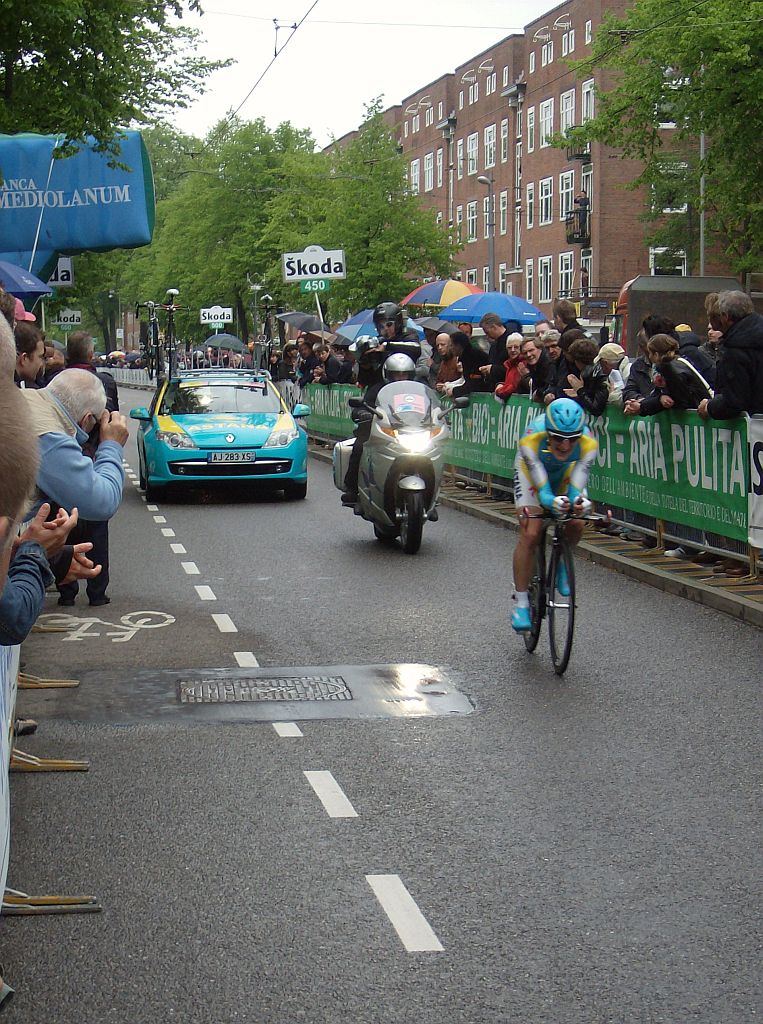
(673, 466)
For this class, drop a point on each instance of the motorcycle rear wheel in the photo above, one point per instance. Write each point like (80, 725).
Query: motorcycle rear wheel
(412, 523)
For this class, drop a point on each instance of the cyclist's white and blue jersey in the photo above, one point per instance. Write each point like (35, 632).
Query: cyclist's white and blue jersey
(539, 477)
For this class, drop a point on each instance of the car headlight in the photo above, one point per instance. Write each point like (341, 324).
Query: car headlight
(282, 436)
(175, 439)
(415, 441)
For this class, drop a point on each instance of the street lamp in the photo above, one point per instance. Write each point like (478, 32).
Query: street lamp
(489, 181)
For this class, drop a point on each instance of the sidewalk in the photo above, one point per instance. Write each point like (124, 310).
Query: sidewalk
(742, 598)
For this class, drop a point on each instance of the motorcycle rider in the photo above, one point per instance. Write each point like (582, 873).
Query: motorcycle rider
(393, 342)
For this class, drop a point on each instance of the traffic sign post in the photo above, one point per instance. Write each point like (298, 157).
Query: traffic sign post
(315, 285)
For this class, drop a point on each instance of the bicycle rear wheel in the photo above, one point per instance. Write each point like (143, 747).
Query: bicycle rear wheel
(536, 593)
(561, 607)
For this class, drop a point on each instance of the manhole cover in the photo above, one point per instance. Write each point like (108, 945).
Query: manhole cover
(247, 688)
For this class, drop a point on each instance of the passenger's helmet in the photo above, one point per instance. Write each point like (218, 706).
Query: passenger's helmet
(398, 367)
(389, 312)
(564, 418)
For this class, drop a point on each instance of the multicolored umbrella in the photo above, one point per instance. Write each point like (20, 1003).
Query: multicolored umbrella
(472, 308)
(439, 293)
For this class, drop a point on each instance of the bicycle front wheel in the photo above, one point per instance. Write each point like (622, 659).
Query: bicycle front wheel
(536, 593)
(561, 604)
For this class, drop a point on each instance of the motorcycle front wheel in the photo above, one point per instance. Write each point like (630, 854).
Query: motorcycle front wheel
(412, 522)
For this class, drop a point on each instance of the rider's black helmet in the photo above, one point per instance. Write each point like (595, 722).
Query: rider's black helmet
(389, 312)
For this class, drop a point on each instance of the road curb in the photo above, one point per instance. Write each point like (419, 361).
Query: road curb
(598, 549)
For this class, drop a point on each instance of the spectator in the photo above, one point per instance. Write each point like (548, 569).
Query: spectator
(7, 307)
(466, 328)
(582, 206)
(563, 366)
(542, 328)
(497, 332)
(30, 355)
(589, 386)
(551, 343)
(512, 380)
(55, 360)
(329, 368)
(20, 314)
(688, 344)
(447, 367)
(677, 384)
(565, 319)
(640, 381)
(740, 368)
(536, 370)
(345, 357)
(616, 367)
(307, 362)
(286, 369)
(469, 360)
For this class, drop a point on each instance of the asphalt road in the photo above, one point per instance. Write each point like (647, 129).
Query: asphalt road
(581, 850)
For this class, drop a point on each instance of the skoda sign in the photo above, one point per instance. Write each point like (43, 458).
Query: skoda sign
(313, 262)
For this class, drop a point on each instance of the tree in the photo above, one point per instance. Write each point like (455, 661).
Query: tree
(91, 67)
(698, 65)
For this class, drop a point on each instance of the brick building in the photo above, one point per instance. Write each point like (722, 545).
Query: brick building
(483, 131)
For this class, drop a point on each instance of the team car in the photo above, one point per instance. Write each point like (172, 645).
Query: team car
(208, 426)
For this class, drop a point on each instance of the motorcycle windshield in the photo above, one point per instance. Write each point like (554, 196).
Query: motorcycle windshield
(408, 404)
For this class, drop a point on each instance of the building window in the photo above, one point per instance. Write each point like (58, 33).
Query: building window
(545, 200)
(517, 235)
(519, 122)
(415, 123)
(459, 223)
(586, 269)
(505, 78)
(568, 42)
(429, 117)
(545, 269)
(428, 172)
(586, 183)
(586, 100)
(530, 205)
(489, 140)
(669, 193)
(529, 280)
(486, 217)
(566, 193)
(566, 273)
(532, 62)
(518, 171)
(461, 100)
(415, 183)
(491, 82)
(439, 111)
(588, 32)
(472, 152)
(547, 53)
(566, 110)
(439, 218)
(546, 115)
(503, 278)
(504, 140)
(460, 158)
(530, 129)
(439, 168)
(503, 213)
(471, 222)
(667, 262)
(474, 92)
(405, 130)
(471, 276)
(486, 279)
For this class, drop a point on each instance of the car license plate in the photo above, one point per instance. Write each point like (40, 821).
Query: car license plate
(230, 456)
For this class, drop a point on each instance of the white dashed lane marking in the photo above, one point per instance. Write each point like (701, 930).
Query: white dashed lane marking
(178, 549)
(191, 568)
(330, 794)
(160, 519)
(246, 659)
(286, 729)
(225, 623)
(167, 532)
(406, 918)
(205, 593)
(152, 508)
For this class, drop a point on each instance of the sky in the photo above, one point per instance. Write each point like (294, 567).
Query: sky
(343, 55)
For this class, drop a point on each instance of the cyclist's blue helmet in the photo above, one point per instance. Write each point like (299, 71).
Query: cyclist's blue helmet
(564, 418)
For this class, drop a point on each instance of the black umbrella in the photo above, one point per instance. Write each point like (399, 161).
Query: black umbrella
(229, 341)
(433, 323)
(303, 321)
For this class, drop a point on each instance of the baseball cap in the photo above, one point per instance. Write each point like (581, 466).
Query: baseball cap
(21, 313)
(683, 328)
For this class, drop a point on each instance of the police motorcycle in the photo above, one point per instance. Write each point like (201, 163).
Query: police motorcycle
(402, 463)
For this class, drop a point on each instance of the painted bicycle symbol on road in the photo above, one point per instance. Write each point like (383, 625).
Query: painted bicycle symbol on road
(120, 632)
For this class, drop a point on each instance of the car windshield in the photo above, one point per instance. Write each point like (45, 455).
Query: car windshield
(184, 398)
(408, 404)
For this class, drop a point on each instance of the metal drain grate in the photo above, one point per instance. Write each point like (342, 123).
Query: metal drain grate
(245, 689)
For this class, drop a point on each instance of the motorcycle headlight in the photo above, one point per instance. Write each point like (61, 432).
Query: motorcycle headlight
(415, 441)
(175, 439)
(281, 436)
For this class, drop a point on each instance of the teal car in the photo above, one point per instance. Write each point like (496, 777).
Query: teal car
(210, 426)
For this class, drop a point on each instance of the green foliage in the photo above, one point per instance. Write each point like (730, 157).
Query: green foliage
(699, 65)
(80, 67)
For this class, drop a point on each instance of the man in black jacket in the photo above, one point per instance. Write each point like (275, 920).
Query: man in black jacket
(740, 367)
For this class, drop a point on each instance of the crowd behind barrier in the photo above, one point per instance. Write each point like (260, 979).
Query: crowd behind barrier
(675, 474)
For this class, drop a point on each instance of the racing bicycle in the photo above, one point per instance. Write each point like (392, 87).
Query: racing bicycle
(543, 592)
(156, 354)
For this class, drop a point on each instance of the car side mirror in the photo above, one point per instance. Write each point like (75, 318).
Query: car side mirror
(300, 410)
(141, 413)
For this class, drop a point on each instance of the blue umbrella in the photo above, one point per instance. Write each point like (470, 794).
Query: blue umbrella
(472, 308)
(21, 283)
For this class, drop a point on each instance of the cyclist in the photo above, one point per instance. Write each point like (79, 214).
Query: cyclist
(554, 458)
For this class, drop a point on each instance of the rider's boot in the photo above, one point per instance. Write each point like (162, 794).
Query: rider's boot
(520, 620)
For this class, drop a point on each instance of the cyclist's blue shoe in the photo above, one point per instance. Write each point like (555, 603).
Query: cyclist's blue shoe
(562, 580)
(520, 620)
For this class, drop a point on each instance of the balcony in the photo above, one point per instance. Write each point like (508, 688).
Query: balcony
(577, 226)
(578, 150)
